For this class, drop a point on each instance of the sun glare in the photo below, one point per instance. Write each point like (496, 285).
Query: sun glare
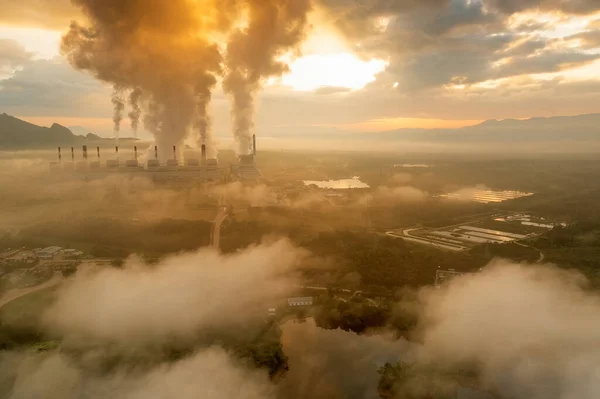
(328, 61)
(343, 70)
(42, 43)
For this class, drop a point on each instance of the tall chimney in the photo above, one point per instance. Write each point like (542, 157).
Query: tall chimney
(117, 150)
(174, 152)
(254, 144)
(72, 154)
(135, 152)
(204, 153)
(84, 148)
(59, 155)
(156, 152)
(98, 152)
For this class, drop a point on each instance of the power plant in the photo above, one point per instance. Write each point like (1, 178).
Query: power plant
(246, 169)
(203, 168)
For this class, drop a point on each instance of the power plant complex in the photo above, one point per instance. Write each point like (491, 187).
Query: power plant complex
(203, 168)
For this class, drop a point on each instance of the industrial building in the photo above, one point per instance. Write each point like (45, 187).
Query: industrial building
(303, 301)
(203, 168)
(47, 253)
(246, 169)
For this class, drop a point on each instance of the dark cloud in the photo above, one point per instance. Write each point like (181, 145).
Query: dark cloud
(461, 42)
(52, 14)
(568, 6)
(356, 17)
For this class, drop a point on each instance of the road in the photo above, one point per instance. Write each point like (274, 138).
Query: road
(216, 232)
(18, 293)
(542, 256)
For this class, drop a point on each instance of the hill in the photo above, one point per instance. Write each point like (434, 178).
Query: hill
(554, 129)
(15, 133)
(18, 134)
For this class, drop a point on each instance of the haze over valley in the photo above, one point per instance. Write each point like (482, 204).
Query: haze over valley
(299, 199)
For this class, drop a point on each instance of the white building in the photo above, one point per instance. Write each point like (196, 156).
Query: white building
(303, 301)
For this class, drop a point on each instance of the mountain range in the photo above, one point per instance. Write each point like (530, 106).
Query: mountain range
(18, 134)
(579, 133)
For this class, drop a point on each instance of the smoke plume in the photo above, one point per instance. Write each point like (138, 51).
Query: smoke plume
(119, 106)
(161, 50)
(275, 27)
(136, 110)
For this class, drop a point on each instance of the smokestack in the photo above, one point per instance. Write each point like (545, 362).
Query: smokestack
(59, 155)
(254, 145)
(84, 148)
(135, 152)
(72, 154)
(98, 152)
(204, 153)
(156, 152)
(174, 152)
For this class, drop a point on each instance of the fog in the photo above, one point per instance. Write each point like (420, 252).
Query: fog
(531, 330)
(135, 312)
(210, 373)
(335, 363)
(175, 299)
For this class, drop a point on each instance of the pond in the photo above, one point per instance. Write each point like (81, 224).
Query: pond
(342, 184)
(486, 196)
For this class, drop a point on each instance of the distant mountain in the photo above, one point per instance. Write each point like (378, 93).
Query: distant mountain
(580, 128)
(79, 130)
(18, 134)
(15, 133)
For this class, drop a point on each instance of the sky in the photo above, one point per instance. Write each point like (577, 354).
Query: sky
(364, 66)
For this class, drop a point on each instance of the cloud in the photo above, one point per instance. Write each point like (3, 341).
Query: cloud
(571, 6)
(176, 299)
(335, 363)
(55, 14)
(590, 39)
(535, 327)
(327, 90)
(12, 56)
(209, 373)
(52, 87)
(460, 41)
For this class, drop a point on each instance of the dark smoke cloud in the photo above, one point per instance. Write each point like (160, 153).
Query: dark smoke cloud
(275, 27)
(161, 49)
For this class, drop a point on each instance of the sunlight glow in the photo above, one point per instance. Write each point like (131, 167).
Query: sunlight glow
(385, 124)
(42, 43)
(343, 70)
